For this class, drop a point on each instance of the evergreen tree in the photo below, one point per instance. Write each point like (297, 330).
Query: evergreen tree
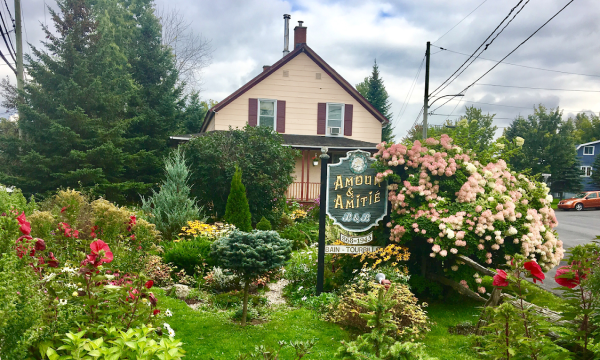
(596, 172)
(100, 105)
(373, 89)
(172, 207)
(237, 211)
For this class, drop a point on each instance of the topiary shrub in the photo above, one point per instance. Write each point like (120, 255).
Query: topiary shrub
(251, 255)
(237, 211)
(172, 207)
(263, 224)
(187, 255)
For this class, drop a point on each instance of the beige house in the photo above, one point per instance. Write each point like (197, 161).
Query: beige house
(309, 104)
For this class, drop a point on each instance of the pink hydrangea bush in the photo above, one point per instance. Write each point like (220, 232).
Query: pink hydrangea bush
(444, 200)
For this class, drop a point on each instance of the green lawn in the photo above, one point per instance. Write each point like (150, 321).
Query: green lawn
(440, 343)
(211, 335)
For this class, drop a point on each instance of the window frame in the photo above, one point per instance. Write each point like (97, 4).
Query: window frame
(586, 147)
(327, 133)
(274, 113)
(587, 171)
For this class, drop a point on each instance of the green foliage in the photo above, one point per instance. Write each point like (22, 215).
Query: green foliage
(188, 255)
(373, 89)
(263, 224)
(301, 349)
(266, 166)
(251, 255)
(171, 207)
(100, 103)
(549, 148)
(596, 172)
(140, 343)
(587, 127)
(302, 234)
(235, 298)
(378, 344)
(21, 302)
(12, 204)
(251, 314)
(237, 211)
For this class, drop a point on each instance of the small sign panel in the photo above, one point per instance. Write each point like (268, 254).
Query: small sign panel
(355, 201)
(349, 249)
(356, 240)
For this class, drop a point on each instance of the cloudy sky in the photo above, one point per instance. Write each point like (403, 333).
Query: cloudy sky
(351, 34)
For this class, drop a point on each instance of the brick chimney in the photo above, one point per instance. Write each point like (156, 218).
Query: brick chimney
(299, 35)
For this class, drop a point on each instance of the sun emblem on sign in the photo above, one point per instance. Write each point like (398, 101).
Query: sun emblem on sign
(358, 163)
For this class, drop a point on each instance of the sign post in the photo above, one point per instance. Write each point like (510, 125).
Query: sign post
(356, 202)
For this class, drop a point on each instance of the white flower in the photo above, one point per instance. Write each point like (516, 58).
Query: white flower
(529, 217)
(454, 268)
(512, 231)
(62, 302)
(549, 198)
(304, 298)
(171, 333)
(442, 226)
(519, 141)
(487, 174)
(49, 277)
(300, 288)
(166, 326)
(470, 167)
(450, 234)
(500, 146)
(490, 199)
(168, 313)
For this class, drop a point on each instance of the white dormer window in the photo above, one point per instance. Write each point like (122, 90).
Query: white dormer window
(335, 117)
(588, 150)
(266, 113)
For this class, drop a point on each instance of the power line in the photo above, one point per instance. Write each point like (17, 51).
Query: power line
(486, 45)
(476, 50)
(510, 53)
(519, 65)
(409, 94)
(458, 23)
(11, 46)
(537, 88)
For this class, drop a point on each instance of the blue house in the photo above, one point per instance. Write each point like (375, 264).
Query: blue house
(587, 153)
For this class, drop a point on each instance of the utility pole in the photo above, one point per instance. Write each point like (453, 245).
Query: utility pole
(426, 102)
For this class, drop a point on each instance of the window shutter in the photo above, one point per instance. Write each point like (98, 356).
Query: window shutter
(348, 119)
(321, 118)
(280, 116)
(252, 112)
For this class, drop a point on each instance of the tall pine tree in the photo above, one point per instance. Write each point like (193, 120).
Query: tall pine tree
(100, 104)
(373, 89)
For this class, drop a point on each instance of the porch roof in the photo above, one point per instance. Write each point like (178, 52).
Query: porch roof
(304, 141)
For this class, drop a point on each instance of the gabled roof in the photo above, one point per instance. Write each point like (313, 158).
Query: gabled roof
(590, 143)
(303, 48)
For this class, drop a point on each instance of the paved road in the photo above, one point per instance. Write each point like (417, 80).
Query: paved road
(574, 228)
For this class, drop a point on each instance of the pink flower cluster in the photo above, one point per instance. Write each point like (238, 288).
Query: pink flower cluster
(497, 207)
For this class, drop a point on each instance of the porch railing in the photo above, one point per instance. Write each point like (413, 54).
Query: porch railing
(303, 191)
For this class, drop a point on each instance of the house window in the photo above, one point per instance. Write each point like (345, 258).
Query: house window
(266, 113)
(335, 115)
(588, 150)
(586, 171)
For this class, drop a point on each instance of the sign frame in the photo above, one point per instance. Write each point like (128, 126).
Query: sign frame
(384, 198)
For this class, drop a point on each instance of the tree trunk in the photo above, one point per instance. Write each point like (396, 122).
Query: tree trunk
(245, 311)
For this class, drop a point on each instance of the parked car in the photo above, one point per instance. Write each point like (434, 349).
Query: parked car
(584, 200)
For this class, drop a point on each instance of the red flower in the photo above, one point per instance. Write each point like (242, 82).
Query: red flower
(25, 226)
(22, 246)
(40, 245)
(565, 276)
(153, 300)
(53, 262)
(21, 218)
(100, 254)
(76, 234)
(535, 270)
(93, 233)
(132, 220)
(156, 312)
(500, 279)
(149, 284)
(64, 208)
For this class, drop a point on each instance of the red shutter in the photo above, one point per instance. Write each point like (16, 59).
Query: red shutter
(348, 120)
(280, 116)
(252, 112)
(321, 118)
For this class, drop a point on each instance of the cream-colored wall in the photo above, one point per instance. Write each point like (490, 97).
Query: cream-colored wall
(302, 92)
(211, 124)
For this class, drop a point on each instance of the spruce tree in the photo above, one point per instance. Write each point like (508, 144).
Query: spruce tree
(172, 207)
(373, 89)
(237, 211)
(596, 172)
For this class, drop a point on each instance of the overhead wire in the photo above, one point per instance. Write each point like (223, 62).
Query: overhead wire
(472, 59)
(479, 47)
(9, 44)
(539, 88)
(458, 23)
(409, 94)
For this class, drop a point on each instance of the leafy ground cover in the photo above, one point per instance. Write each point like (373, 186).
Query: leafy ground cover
(209, 335)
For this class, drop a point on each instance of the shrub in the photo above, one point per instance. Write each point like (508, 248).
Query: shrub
(171, 207)
(301, 234)
(237, 212)
(219, 281)
(187, 255)
(251, 314)
(157, 270)
(266, 167)
(235, 298)
(251, 255)
(263, 224)
(409, 319)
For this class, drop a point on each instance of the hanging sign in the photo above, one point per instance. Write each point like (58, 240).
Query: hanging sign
(349, 249)
(355, 201)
